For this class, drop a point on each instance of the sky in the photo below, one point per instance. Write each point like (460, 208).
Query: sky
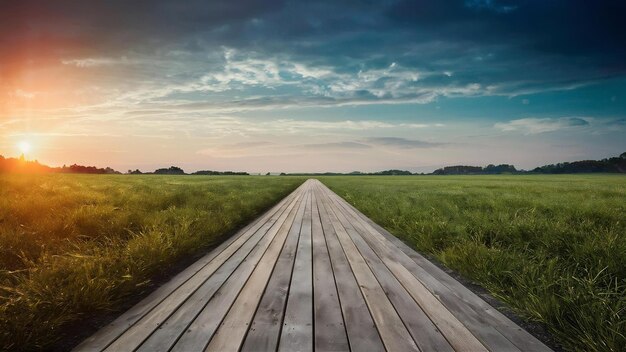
(312, 86)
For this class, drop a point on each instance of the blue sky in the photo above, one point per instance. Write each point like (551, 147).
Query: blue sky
(313, 86)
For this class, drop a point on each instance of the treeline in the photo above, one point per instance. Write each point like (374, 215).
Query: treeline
(353, 173)
(610, 165)
(21, 165)
(477, 170)
(175, 170)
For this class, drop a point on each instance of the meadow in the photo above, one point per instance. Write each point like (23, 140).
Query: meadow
(73, 247)
(551, 247)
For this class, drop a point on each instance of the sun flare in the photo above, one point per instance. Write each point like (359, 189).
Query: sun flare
(24, 147)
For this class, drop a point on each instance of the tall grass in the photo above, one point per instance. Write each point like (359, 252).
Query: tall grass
(552, 247)
(73, 246)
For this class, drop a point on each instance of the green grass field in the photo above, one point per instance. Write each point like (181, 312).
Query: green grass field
(552, 247)
(75, 246)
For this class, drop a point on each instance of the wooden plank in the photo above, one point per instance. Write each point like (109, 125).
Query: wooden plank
(264, 330)
(230, 335)
(421, 328)
(105, 336)
(394, 334)
(334, 278)
(198, 334)
(297, 330)
(439, 282)
(360, 328)
(330, 332)
(453, 329)
(161, 327)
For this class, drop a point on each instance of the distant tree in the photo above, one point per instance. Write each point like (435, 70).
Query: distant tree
(172, 170)
(584, 166)
(267, 174)
(228, 173)
(110, 171)
(459, 170)
(393, 172)
(283, 174)
(500, 169)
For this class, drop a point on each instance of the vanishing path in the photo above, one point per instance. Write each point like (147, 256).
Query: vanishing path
(312, 273)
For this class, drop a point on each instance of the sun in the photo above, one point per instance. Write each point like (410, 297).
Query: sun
(24, 147)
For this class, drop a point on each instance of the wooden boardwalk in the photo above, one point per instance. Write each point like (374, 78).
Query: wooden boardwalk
(312, 273)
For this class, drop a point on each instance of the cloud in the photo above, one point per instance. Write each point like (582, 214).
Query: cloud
(541, 125)
(490, 5)
(98, 62)
(336, 146)
(401, 142)
(617, 122)
(301, 52)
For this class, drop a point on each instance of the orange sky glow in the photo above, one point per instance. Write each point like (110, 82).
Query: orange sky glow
(264, 87)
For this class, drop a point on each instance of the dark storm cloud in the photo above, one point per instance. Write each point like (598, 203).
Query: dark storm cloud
(500, 47)
(579, 28)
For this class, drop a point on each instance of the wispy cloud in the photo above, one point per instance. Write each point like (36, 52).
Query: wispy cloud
(88, 62)
(336, 146)
(491, 5)
(541, 125)
(403, 143)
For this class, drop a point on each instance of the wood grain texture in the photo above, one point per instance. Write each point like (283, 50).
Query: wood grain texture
(455, 332)
(264, 330)
(312, 273)
(360, 327)
(164, 324)
(391, 328)
(330, 332)
(197, 271)
(464, 304)
(297, 330)
(232, 331)
(421, 328)
(197, 335)
(438, 281)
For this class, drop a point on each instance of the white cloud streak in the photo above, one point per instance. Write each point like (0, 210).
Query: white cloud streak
(542, 125)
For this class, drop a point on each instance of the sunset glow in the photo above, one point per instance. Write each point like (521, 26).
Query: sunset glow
(309, 86)
(24, 147)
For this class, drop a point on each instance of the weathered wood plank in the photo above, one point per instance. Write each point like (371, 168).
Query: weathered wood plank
(360, 328)
(105, 336)
(198, 334)
(394, 334)
(421, 328)
(161, 328)
(439, 281)
(169, 331)
(330, 332)
(297, 330)
(264, 330)
(487, 333)
(454, 331)
(229, 336)
(147, 325)
(313, 273)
